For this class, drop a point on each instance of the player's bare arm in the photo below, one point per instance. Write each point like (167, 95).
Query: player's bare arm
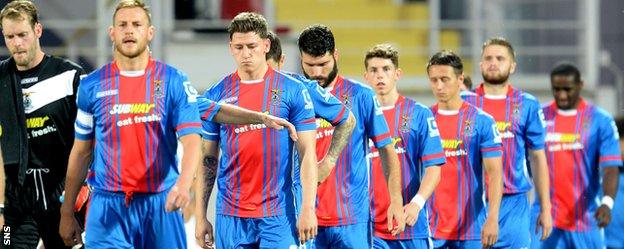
(341, 136)
(206, 174)
(231, 114)
(77, 168)
(307, 223)
(392, 171)
(494, 171)
(179, 195)
(609, 187)
(427, 186)
(540, 167)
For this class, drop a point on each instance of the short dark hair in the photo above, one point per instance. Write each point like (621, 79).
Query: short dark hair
(249, 22)
(501, 41)
(275, 52)
(619, 123)
(447, 58)
(126, 4)
(15, 9)
(468, 82)
(316, 40)
(566, 69)
(384, 51)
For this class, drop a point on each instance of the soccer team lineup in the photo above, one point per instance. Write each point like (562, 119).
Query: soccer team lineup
(120, 156)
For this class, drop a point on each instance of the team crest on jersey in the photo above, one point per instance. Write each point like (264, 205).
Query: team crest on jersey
(467, 128)
(345, 100)
(27, 100)
(516, 111)
(404, 128)
(158, 92)
(275, 96)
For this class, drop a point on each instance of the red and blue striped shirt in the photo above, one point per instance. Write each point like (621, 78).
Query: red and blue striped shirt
(458, 203)
(416, 140)
(520, 122)
(256, 164)
(136, 119)
(343, 198)
(578, 143)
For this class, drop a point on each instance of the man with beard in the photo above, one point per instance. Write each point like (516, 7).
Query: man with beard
(343, 209)
(37, 112)
(131, 115)
(581, 142)
(328, 110)
(520, 121)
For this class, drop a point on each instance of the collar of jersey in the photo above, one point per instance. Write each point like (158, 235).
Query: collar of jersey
(134, 73)
(268, 73)
(581, 105)
(571, 112)
(481, 91)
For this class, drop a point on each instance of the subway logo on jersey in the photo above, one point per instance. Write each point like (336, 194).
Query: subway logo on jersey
(563, 141)
(562, 137)
(451, 144)
(504, 129)
(453, 147)
(36, 122)
(136, 108)
(323, 123)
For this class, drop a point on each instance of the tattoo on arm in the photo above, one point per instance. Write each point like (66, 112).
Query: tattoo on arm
(210, 173)
(340, 138)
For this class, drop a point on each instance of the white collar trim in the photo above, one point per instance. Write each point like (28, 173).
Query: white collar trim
(448, 112)
(135, 73)
(572, 112)
(492, 96)
(252, 81)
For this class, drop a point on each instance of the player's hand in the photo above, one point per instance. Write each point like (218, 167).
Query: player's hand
(279, 123)
(325, 168)
(178, 197)
(489, 233)
(307, 225)
(603, 216)
(545, 222)
(411, 211)
(1, 220)
(204, 234)
(70, 230)
(395, 213)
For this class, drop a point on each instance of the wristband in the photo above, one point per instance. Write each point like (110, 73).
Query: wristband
(418, 200)
(607, 201)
